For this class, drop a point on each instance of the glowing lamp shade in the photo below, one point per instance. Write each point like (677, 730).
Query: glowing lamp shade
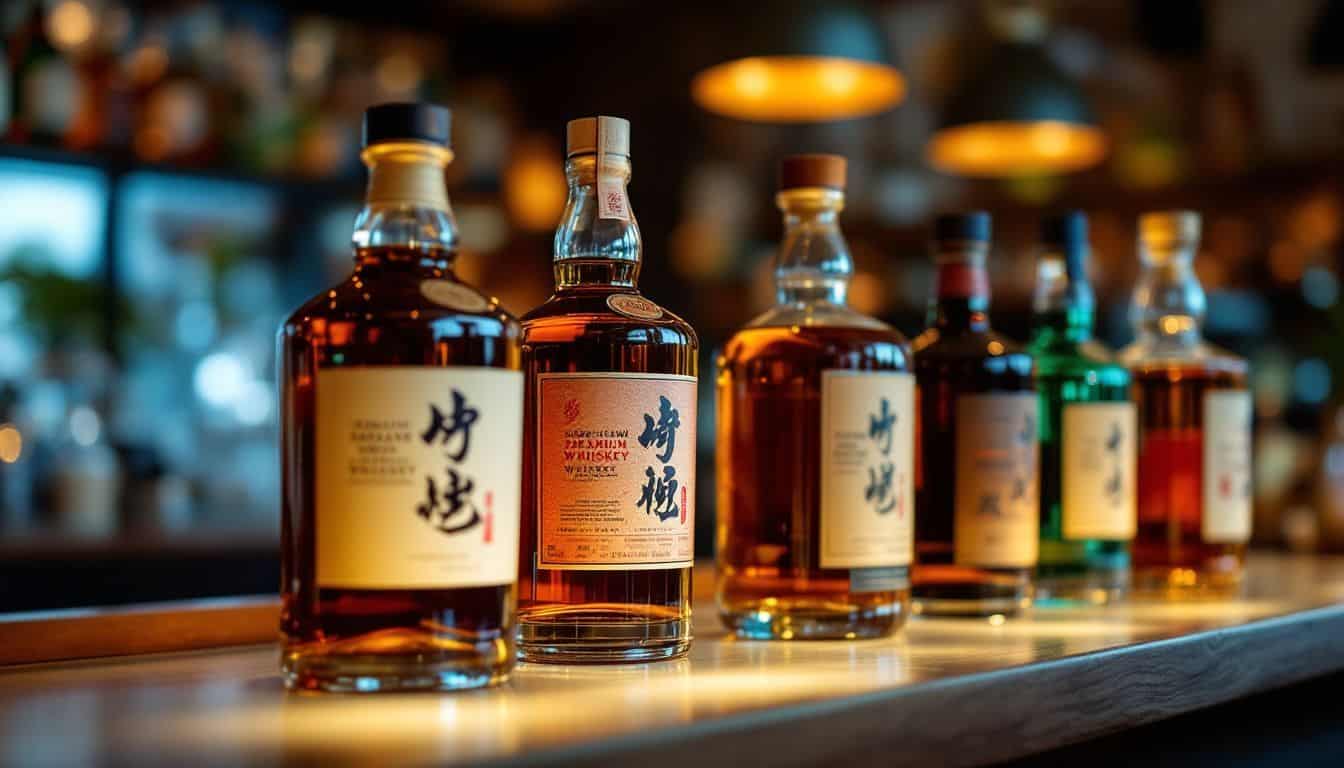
(807, 62)
(1017, 114)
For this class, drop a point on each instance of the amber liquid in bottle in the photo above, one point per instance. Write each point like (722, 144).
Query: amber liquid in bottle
(778, 441)
(600, 611)
(1170, 553)
(382, 318)
(960, 356)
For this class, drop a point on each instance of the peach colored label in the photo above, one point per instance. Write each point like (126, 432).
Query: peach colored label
(615, 471)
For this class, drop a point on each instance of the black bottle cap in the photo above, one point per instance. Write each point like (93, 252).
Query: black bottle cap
(1067, 232)
(407, 121)
(973, 226)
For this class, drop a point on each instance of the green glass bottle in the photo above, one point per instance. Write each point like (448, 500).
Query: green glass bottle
(1087, 430)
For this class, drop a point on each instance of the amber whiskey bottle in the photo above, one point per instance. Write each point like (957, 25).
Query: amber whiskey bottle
(1194, 425)
(609, 455)
(401, 443)
(815, 442)
(976, 501)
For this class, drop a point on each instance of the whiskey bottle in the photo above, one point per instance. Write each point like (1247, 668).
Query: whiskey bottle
(401, 443)
(609, 453)
(815, 442)
(1194, 425)
(976, 502)
(1087, 430)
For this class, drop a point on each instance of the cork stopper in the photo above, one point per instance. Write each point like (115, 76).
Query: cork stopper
(581, 136)
(812, 171)
(1169, 229)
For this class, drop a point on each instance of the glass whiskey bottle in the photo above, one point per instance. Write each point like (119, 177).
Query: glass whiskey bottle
(401, 446)
(1195, 414)
(815, 442)
(1087, 430)
(976, 503)
(609, 454)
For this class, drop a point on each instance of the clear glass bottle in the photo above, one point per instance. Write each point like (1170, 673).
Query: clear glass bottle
(977, 510)
(1195, 414)
(609, 457)
(822, 550)
(1087, 430)
(401, 446)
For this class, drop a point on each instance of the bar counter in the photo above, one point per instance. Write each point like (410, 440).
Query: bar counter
(949, 692)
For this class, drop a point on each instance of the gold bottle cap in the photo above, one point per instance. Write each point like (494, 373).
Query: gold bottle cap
(1166, 229)
(581, 136)
(812, 171)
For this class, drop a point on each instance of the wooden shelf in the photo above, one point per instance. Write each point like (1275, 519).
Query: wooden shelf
(946, 692)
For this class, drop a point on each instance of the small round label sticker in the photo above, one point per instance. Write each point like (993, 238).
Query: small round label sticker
(637, 307)
(447, 293)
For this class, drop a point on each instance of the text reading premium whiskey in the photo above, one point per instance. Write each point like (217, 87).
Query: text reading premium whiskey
(1087, 430)
(401, 443)
(815, 442)
(976, 503)
(609, 467)
(1194, 425)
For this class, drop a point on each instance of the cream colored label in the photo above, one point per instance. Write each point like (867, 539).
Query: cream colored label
(447, 293)
(1227, 466)
(611, 200)
(418, 477)
(615, 471)
(997, 502)
(1098, 470)
(867, 468)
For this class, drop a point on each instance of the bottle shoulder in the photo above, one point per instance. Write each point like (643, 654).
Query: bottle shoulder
(1152, 352)
(454, 308)
(1067, 357)
(821, 347)
(571, 316)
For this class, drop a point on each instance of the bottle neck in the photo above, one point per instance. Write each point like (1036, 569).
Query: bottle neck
(814, 264)
(961, 292)
(406, 220)
(1063, 305)
(1168, 303)
(593, 251)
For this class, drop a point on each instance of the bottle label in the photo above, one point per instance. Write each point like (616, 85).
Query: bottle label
(867, 468)
(615, 471)
(453, 295)
(1227, 466)
(1099, 470)
(997, 503)
(611, 201)
(418, 481)
(635, 307)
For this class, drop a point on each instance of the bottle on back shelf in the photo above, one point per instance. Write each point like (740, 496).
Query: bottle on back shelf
(815, 442)
(609, 457)
(401, 442)
(1087, 430)
(976, 503)
(1194, 410)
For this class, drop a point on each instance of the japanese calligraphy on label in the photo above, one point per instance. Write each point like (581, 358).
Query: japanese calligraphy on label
(997, 498)
(418, 477)
(867, 468)
(1227, 466)
(615, 471)
(1099, 470)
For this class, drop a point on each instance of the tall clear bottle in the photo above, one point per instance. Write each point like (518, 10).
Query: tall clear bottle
(977, 509)
(609, 456)
(1087, 430)
(401, 441)
(815, 442)
(1194, 424)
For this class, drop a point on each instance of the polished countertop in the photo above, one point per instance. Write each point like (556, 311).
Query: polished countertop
(945, 691)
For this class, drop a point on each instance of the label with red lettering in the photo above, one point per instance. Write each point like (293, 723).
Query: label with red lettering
(615, 471)
(997, 521)
(1227, 466)
(418, 481)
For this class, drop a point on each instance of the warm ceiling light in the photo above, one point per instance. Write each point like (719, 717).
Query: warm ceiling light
(787, 89)
(70, 24)
(1007, 148)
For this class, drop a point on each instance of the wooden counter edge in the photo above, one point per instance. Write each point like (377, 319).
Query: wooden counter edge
(999, 715)
(89, 633)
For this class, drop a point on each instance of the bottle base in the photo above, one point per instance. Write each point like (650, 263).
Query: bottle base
(595, 640)
(795, 619)
(383, 673)
(1176, 583)
(1085, 590)
(952, 590)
